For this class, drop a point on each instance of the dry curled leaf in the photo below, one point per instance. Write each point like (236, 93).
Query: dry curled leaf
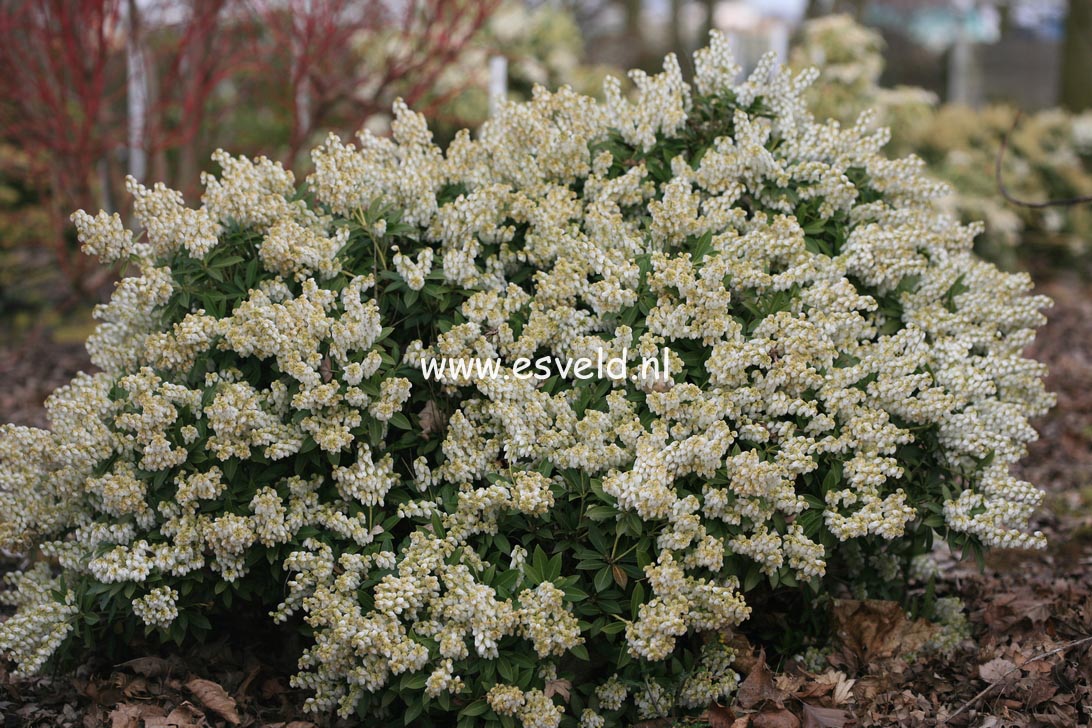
(272, 687)
(873, 629)
(135, 688)
(245, 684)
(819, 717)
(560, 688)
(148, 666)
(718, 716)
(759, 686)
(745, 658)
(1041, 690)
(184, 716)
(789, 683)
(776, 718)
(125, 715)
(431, 419)
(833, 683)
(215, 698)
(1007, 611)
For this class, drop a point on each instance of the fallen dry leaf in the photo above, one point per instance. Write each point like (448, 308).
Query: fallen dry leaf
(873, 629)
(148, 666)
(272, 687)
(215, 698)
(745, 657)
(135, 688)
(125, 716)
(843, 691)
(996, 670)
(833, 682)
(1006, 611)
(1041, 691)
(759, 686)
(819, 717)
(788, 683)
(95, 717)
(245, 684)
(718, 716)
(184, 716)
(777, 718)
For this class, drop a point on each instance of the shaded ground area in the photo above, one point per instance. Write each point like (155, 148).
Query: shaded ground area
(1026, 659)
(31, 370)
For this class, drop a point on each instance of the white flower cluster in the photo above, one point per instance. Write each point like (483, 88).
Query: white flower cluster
(158, 608)
(41, 623)
(818, 316)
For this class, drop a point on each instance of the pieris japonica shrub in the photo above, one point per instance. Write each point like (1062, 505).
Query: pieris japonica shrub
(1048, 156)
(844, 380)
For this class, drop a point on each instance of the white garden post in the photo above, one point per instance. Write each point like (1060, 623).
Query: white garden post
(498, 83)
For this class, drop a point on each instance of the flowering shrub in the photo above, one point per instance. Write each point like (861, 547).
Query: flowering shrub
(1049, 155)
(845, 379)
(850, 60)
(1042, 162)
(543, 45)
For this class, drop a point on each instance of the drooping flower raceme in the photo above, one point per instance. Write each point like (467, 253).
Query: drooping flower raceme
(844, 377)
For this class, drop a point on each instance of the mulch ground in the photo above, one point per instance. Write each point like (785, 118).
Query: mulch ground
(1027, 660)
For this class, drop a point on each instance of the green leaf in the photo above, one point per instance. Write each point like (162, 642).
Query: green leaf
(539, 561)
(506, 670)
(413, 681)
(601, 512)
(637, 599)
(553, 569)
(478, 707)
(603, 579)
(754, 576)
(934, 521)
(574, 594)
(413, 710)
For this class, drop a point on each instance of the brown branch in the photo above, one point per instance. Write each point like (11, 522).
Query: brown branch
(1042, 656)
(1068, 202)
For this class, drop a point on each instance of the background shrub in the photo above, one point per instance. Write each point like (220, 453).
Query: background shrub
(1048, 155)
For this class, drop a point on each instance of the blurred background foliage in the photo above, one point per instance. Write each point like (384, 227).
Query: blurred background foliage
(93, 90)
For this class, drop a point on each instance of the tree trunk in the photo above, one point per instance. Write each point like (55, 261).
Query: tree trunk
(1077, 57)
(635, 36)
(136, 93)
(678, 45)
